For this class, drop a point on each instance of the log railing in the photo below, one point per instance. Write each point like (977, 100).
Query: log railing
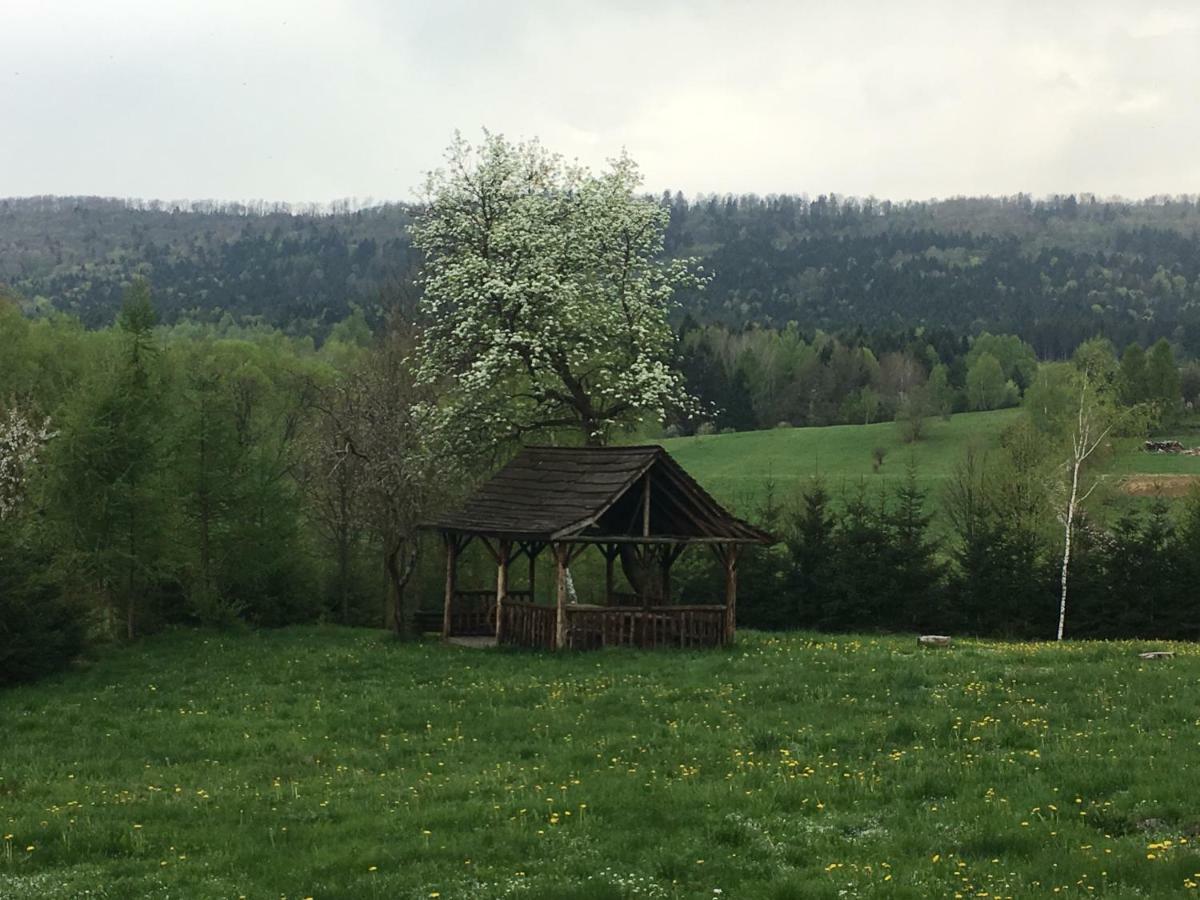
(528, 625)
(591, 627)
(474, 612)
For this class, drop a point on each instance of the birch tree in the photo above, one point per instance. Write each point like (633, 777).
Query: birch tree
(545, 291)
(1095, 420)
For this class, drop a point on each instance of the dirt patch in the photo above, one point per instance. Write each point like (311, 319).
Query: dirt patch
(1159, 485)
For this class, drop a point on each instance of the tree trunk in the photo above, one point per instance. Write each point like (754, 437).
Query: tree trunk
(396, 616)
(132, 571)
(643, 573)
(1066, 562)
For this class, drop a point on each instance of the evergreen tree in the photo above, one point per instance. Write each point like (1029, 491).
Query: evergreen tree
(1162, 381)
(917, 573)
(107, 481)
(1132, 383)
(810, 544)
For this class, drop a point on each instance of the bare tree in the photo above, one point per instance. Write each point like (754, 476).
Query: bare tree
(333, 481)
(390, 430)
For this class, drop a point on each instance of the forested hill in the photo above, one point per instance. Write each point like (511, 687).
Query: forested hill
(1054, 271)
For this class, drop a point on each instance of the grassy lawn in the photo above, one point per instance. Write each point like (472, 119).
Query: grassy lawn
(329, 763)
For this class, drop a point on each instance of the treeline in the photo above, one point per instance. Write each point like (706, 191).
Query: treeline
(152, 476)
(872, 560)
(1053, 272)
(229, 264)
(156, 475)
(765, 378)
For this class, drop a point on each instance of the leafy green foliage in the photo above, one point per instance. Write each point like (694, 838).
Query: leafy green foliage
(41, 630)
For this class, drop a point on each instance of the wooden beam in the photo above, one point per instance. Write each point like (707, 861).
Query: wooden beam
(730, 559)
(646, 505)
(452, 547)
(560, 620)
(502, 585)
(492, 551)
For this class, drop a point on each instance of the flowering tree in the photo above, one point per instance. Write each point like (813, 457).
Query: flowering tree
(20, 441)
(545, 291)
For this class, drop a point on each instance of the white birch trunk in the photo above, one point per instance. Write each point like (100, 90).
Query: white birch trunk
(1062, 605)
(1082, 446)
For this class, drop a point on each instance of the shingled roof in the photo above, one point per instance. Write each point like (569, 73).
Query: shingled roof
(596, 494)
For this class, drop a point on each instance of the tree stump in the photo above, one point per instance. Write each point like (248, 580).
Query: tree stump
(934, 640)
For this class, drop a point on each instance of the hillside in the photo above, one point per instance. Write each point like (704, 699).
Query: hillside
(1055, 271)
(336, 763)
(737, 467)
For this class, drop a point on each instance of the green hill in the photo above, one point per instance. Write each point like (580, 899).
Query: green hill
(337, 763)
(737, 467)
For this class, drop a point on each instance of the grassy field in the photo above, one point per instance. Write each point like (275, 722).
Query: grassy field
(336, 763)
(735, 466)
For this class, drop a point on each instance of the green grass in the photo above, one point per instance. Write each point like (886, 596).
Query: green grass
(735, 467)
(331, 763)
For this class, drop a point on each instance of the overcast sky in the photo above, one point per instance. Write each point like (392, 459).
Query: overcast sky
(295, 100)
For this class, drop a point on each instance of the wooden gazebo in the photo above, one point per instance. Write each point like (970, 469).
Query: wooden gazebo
(636, 505)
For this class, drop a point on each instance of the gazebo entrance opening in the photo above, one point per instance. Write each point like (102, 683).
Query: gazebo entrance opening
(637, 506)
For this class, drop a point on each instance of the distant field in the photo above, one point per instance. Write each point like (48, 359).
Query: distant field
(735, 467)
(336, 763)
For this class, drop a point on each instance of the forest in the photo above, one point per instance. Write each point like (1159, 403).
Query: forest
(233, 415)
(167, 475)
(1053, 271)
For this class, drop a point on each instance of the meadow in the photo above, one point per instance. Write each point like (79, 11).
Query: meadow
(336, 763)
(842, 456)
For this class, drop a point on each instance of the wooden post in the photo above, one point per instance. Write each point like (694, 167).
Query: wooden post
(646, 505)
(729, 557)
(451, 542)
(560, 620)
(532, 572)
(502, 585)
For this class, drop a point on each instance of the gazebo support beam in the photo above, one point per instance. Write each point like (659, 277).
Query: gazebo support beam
(452, 546)
(729, 555)
(502, 560)
(560, 615)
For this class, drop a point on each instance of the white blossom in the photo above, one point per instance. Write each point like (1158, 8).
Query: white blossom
(546, 289)
(21, 439)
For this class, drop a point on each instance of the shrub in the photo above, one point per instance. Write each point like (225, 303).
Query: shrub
(40, 632)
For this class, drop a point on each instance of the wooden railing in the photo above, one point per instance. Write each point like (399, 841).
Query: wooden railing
(474, 612)
(591, 627)
(528, 625)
